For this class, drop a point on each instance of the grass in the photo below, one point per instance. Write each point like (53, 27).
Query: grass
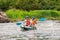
(15, 14)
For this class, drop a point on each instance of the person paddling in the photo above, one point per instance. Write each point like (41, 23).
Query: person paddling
(27, 21)
(33, 21)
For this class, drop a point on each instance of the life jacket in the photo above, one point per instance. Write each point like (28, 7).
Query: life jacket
(33, 22)
(27, 22)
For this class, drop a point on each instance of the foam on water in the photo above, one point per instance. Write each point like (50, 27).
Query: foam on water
(47, 30)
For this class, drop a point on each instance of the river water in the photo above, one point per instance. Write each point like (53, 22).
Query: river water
(47, 30)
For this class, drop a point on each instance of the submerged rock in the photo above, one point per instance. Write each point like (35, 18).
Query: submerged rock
(3, 18)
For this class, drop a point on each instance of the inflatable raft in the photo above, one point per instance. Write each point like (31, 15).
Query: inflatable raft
(26, 28)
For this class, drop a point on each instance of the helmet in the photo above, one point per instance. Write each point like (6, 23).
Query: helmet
(33, 17)
(27, 17)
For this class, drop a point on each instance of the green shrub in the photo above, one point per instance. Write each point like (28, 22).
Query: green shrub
(16, 14)
(20, 14)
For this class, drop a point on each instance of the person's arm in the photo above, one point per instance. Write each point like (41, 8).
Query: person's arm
(35, 21)
(24, 23)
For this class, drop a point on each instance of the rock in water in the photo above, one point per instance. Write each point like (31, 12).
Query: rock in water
(3, 18)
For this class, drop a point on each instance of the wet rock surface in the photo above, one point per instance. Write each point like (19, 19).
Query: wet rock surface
(3, 18)
(48, 30)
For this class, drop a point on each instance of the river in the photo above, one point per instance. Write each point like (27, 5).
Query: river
(47, 30)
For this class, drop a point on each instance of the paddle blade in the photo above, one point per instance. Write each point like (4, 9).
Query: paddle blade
(18, 23)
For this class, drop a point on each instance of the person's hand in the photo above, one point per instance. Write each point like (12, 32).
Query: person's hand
(28, 25)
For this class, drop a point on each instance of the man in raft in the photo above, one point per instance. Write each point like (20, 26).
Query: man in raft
(27, 21)
(33, 21)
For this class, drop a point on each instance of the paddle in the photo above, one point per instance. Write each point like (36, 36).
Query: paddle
(18, 23)
(42, 19)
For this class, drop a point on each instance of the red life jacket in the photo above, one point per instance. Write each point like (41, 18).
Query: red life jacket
(27, 22)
